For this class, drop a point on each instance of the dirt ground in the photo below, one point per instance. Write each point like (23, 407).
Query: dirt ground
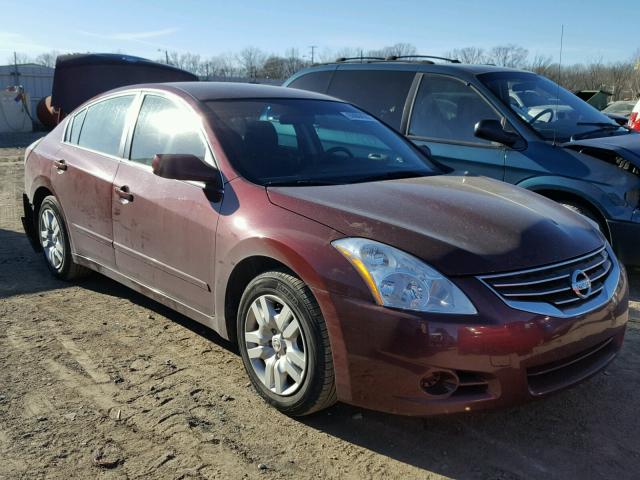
(97, 381)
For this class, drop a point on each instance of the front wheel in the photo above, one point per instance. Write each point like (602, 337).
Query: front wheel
(284, 344)
(54, 238)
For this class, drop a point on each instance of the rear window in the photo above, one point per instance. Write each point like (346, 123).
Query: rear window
(380, 92)
(314, 81)
(103, 125)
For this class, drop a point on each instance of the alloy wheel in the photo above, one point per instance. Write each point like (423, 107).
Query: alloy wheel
(51, 238)
(275, 345)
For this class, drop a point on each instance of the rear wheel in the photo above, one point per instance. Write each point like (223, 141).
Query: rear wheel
(285, 345)
(54, 238)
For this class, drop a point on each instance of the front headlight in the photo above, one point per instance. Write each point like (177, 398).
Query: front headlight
(397, 279)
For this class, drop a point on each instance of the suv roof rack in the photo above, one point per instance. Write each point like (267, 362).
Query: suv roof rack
(348, 59)
(393, 58)
(399, 57)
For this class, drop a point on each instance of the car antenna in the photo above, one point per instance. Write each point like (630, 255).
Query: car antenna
(555, 130)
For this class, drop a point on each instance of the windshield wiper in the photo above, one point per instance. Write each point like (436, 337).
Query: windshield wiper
(603, 127)
(599, 124)
(391, 176)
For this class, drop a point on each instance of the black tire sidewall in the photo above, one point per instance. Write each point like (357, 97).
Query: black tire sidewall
(312, 383)
(51, 203)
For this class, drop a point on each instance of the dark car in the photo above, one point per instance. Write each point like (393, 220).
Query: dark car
(507, 124)
(344, 263)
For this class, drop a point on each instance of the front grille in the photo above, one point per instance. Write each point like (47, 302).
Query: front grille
(556, 285)
(553, 376)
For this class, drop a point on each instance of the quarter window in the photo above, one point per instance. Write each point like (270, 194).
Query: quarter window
(164, 127)
(75, 125)
(314, 82)
(448, 109)
(103, 125)
(380, 92)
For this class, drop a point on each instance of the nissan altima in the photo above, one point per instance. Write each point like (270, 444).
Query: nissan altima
(345, 263)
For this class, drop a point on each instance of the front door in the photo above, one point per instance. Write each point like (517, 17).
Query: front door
(83, 172)
(164, 230)
(444, 114)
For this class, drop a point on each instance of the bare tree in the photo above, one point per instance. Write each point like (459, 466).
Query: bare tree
(468, 55)
(542, 65)
(274, 67)
(510, 55)
(47, 59)
(293, 62)
(251, 61)
(19, 58)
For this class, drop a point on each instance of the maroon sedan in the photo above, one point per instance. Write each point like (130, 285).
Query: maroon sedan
(345, 263)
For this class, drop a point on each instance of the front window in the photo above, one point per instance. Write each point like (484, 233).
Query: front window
(307, 142)
(164, 127)
(447, 110)
(553, 112)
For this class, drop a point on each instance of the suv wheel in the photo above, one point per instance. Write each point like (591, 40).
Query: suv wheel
(54, 239)
(284, 344)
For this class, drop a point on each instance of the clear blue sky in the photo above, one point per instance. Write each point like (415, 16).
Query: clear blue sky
(594, 29)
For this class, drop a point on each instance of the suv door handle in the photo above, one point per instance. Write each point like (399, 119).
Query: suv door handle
(61, 165)
(125, 195)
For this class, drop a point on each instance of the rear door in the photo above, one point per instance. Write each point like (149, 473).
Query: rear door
(443, 117)
(164, 230)
(83, 173)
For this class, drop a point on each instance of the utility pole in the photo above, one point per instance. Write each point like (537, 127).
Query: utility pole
(166, 55)
(313, 52)
(15, 73)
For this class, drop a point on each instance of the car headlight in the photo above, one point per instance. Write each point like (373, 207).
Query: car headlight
(399, 280)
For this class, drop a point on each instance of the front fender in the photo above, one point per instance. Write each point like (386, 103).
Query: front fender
(607, 204)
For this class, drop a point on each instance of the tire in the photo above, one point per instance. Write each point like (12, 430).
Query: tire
(279, 344)
(54, 239)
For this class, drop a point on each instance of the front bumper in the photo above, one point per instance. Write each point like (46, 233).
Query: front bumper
(624, 239)
(500, 358)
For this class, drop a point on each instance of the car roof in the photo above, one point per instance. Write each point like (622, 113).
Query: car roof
(204, 91)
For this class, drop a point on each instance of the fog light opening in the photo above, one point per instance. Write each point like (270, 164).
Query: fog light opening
(440, 383)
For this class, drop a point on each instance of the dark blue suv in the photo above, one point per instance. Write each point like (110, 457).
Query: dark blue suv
(507, 124)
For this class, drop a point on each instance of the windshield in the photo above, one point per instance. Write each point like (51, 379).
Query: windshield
(311, 142)
(553, 112)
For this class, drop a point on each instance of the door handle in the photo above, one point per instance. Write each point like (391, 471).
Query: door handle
(125, 195)
(61, 165)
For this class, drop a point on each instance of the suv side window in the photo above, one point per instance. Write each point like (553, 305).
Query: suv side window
(380, 92)
(314, 81)
(448, 109)
(164, 127)
(103, 125)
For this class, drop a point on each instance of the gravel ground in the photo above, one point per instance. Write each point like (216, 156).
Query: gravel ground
(97, 381)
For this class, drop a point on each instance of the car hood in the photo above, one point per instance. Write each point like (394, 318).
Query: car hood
(459, 224)
(627, 146)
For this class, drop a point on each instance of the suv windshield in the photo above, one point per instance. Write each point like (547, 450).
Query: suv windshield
(552, 111)
(312, 142)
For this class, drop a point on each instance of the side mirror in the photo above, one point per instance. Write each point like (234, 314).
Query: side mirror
(184, 167)
(426, 150)
(190, 168)
(493, 131)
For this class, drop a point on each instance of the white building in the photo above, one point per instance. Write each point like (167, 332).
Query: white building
(37, 81)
